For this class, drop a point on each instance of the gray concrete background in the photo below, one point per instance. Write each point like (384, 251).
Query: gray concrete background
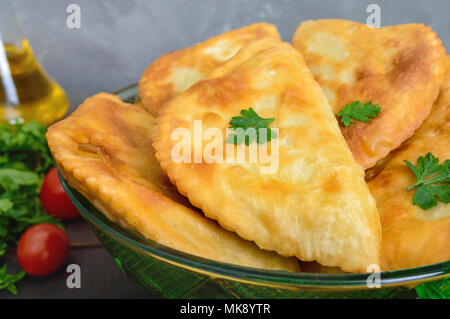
(116, 42)
(119, 38)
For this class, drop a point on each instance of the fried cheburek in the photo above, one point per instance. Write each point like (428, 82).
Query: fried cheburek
(104, 151)
(412, 236)
(316, 206)
(176, 71)
(398, 68)
(314, 267)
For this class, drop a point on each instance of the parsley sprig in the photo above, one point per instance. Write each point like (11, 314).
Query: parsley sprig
(433, 181)
(7, 281)
(358, 111)
(247, 127)
(24, 159)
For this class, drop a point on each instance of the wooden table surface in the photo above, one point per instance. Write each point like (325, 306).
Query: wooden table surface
(100, 275)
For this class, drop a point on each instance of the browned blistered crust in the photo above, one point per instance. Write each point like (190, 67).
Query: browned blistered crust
(399, 68)
(104, 151)
(156, 85)
(413, 237)
(316, 206)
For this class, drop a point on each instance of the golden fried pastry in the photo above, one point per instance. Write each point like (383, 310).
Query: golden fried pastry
(316, 205)
(175, 72)
(412, 236)
(317, 268)
(104, 151)
(398, 68)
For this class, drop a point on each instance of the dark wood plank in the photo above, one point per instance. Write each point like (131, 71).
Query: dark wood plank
(100, 275)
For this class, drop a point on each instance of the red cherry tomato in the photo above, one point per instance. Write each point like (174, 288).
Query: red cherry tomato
(54, 200)
(42, 249)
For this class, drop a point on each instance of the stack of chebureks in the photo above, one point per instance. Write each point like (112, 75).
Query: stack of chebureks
(317, 205)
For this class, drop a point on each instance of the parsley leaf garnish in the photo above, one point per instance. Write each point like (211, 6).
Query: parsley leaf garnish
(250, 125)
(433, 181)
(358, 111)
(24, 159)
(7, 281)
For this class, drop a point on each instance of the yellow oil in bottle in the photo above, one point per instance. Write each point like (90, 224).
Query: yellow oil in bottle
(26, 92)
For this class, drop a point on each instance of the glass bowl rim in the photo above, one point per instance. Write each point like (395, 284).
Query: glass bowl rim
(410, 276)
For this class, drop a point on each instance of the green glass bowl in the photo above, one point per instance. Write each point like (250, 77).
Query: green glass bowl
(171, 273)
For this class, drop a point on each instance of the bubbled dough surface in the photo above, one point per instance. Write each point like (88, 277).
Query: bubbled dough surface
(104, 151)
(317, 205)
(412, 236)
(176, 71)
(399, 68)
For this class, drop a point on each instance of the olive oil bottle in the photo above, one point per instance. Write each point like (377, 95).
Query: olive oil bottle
(26, 92)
